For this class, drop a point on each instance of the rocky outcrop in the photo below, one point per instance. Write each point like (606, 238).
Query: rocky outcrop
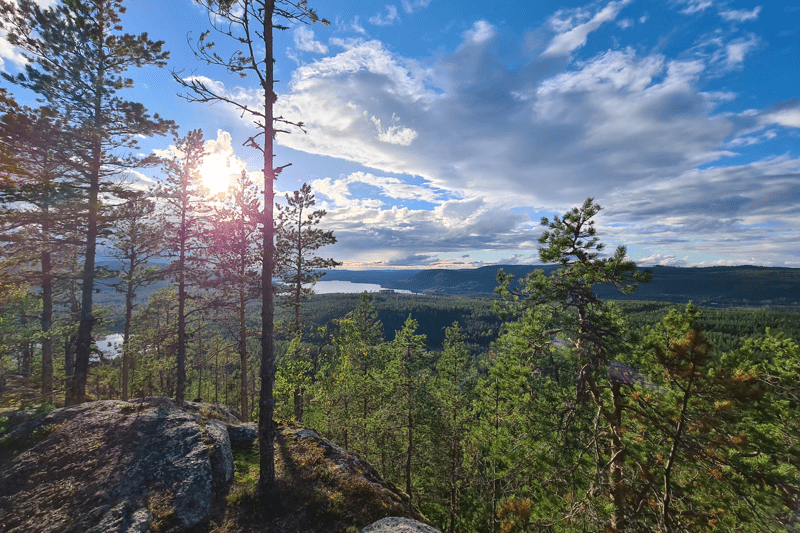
(398, 525)
(148, 465)
(115, 466)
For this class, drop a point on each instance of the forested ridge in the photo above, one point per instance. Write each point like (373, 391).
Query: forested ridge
(713, 286)
(545, 406)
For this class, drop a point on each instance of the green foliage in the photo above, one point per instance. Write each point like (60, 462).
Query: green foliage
(297, 237)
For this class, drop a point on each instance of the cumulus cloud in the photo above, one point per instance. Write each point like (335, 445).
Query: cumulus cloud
(662, 260)
(479, 143)
(480, 33)
(304, 40)
(786, 114)
(394, 134)
(571, 37)
(471, 125)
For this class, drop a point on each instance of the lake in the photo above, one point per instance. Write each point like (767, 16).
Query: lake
(329, 287)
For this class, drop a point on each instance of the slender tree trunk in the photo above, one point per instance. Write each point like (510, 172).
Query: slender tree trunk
(200, 360)
(666, 501)
(298, 286)
(409, 451)
(180, 388)
(243, 348)
(77, 391)
(266, 405)
(69, 358)
(126, 334)
(24, 364)
(47, 323)
(616, 467)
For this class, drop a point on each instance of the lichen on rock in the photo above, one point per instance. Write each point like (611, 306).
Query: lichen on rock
(97, 470)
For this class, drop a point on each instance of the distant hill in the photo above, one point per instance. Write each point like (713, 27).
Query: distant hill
(711, 286)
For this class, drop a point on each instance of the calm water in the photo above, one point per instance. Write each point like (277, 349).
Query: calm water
(328, 287)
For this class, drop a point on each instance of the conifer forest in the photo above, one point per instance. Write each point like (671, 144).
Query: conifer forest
(541, 408)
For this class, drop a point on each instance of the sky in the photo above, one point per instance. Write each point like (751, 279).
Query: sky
(440, 132)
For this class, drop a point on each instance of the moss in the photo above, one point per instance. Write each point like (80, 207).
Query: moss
(246, 468)
(160, 504)
(212, 413)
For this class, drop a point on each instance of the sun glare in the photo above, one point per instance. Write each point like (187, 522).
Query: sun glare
(217, 172)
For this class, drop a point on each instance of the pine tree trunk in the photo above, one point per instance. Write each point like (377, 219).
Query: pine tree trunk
(180, 388)
(617, 463)
(243, 350)
(126, 334)
(266, 403)
(77, 390)
(47, 323)
(83, 344)
(69, 358)
(409, 451)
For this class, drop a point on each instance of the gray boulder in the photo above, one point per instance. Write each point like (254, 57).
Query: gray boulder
(394, 524)
(115, 466)
(242, 436)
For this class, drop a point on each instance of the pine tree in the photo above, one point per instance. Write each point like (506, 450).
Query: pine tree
(405, 373)
(40, 210)
(707, 431)
(233, 249)
(78, 55)
(297, 238)
(249, 24)
(564, 305)
(137, 239)
(450, 395)
(185, 206)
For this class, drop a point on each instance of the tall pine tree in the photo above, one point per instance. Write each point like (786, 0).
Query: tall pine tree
(249, 24)
(78, 56)
(185, 209)
(298, 237)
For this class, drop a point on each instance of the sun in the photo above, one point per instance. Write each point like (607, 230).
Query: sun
(216, 173)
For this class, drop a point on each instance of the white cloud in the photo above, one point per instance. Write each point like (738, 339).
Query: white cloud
(353, 25)
(392, 188)
(696, 6)
(786, 115)
(662, 260)
(10, 53)
(394, 134)
(304, 40)
(480, 33)
(737, 50)
(571, 37)
(484, 142)
(410, 7)
(740, 15)
(385, 20)
(625, 23)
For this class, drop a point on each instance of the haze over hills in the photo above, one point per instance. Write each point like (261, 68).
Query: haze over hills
(714, 286)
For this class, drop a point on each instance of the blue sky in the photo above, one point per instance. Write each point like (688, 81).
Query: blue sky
(440, 132)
